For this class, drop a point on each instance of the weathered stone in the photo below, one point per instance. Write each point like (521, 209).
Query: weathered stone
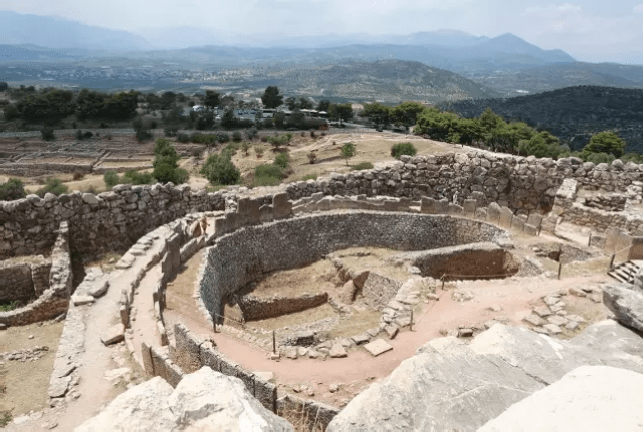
(113, 335)
(361, 339)
(534, 320)
(377, 347)
(626, 304)
(587, 398)
(391, 330)
(337, 351)
(552, 329)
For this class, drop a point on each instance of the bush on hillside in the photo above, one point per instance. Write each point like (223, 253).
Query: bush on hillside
(54, 186)
(405, 148)
(219, 170)
(12, 190)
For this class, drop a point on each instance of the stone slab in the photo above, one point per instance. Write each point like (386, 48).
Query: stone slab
(377, 347)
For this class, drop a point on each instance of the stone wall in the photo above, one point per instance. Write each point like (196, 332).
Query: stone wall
(55, 299)
(114, 220)
(243, 256)
(254, 308)
(476, 259)
(33, 169)
(23, 281)
(192, 353)
(515, 182)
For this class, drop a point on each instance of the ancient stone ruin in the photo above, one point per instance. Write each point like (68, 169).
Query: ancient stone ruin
(510, 220)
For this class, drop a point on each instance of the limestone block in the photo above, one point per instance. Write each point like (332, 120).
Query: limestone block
(281, 206)
(469, 207)
(454, 210)
(113, 335)
(530, 229)
(441, 206)
(481, 213)
(518, 224)
(535, 219)
(506, 215)
(220, 226)
(493, 212)
(377, 347)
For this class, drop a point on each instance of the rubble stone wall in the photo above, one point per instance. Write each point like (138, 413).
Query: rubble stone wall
(55, 299)
(243, 256)
(23, 280)
(254, 308)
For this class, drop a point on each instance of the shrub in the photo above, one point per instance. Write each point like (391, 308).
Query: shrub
(362, 166)
(312, 157)
(267, 175)
(198, 138)
(181, 176)
(282, 160)
(196, 153)
(137, 178)
(88, 135)
(54, 186)
(312, 134)
(143, 135)
(348, 151)
(251, 133)
(12, 190)
(110, 178)
(259, 152)
(78, 175)
(164, 173)
(79, 134)
(183, 138)
(223, 137)
(48, 133)
(236, 136)
(264, 138)
(405, 148)
(170, 131)
(245, 146)
(219, 170)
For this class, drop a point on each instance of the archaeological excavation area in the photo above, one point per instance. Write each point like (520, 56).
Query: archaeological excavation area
(353, 302)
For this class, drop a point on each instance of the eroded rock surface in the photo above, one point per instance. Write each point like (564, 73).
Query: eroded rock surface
(203, 400)
(450, 385)
(588, 398)
(627, 304)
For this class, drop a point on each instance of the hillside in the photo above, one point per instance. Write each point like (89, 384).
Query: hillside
(574, 114)
(385, 80)
(556, 76)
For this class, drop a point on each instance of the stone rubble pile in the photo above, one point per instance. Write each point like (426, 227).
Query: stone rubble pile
(27, 354)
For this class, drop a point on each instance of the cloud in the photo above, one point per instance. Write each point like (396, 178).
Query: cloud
(638, 8)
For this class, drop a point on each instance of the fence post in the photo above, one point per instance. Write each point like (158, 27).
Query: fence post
(612, 262)
(411, 324)
(560, 268)
(274, 345)
(589, 242)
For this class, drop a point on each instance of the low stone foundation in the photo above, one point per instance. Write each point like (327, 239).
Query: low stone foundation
(254, 308)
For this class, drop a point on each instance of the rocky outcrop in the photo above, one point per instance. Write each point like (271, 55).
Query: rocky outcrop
(450, 385)
(203, 400)
(626, 302)
(588, 398)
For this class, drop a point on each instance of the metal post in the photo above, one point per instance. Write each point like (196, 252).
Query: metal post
(589, 242)
(612, 262)
(411, 325)
(560, 268)
(442, 283)
(274, 344)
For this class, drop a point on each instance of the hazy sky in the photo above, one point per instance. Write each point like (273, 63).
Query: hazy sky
(590, 30)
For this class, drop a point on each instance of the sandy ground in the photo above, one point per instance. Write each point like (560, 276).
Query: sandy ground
(27, 383)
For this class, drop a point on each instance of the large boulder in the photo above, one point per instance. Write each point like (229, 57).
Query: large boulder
(450, 385)
(203, 400)
(626, 303)
(598, 398)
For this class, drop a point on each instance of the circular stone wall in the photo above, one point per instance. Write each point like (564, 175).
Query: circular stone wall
(243, 256)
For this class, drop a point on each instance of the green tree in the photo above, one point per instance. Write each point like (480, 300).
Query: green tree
(605, 142)
(348, 151)
(341, 112)
(211, 99)
(271, 97)
(3, 86)
(228, 120)
(378, 114)
(406, 113)
(304, 103)
(47, 133)
(291, 102)
(541, 145)
(323, 105)
(110, 178)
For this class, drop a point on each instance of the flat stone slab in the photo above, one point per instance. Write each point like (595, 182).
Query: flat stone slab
(80, 300)
(377, 347)
(361, 339)
(113, 335)
(99, 288)
(337, 351)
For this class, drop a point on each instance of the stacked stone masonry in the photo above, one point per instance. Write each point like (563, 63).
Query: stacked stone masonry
(115, 219)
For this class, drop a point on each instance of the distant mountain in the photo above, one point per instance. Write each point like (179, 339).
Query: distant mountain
(512, 44)
(390, 81)
(60, 33)
(555, 76)
(573, 114)
(9, 53)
